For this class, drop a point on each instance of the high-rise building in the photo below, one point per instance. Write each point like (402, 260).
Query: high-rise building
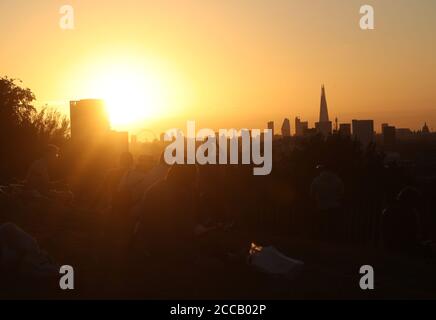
(323, 112)
(363, 131)
(271, 127)
(286, 128)
(89, 120)
(403, 133)
(91, 135)
(345, 129)
(389, 135)
(300, 127)
(324, 126)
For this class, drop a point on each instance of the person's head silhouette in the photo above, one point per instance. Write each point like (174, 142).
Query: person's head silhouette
(51, 153)
(183, 175)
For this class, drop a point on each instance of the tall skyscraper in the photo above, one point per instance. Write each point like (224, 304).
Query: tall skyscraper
(271, 127)
(389, 135)
(345, 129)
(91, 134)
(324, 126)
(300, 127)
(363, 131)
(323, 112)
(286, 128)
(89, 120)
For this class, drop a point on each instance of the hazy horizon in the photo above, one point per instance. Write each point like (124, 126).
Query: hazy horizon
(224, 65)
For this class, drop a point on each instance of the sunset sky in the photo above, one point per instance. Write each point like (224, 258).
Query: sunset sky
(230, 63)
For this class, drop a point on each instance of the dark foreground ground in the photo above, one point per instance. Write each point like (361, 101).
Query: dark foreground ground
(331, 271)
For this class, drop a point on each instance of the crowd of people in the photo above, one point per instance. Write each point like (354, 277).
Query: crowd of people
(184, 212)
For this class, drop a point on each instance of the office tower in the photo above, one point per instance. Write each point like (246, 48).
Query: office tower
(92, 139)
(88, 120)
(389, 135)
(403, 133)
(363, 131)
(271, 127)
(300, 127)
(286, 128)
(324, 126)
(323, 112)
(345, 129)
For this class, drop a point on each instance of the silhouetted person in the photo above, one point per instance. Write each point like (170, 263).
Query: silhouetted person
(153, 175)
(327, 189)
(118, 221)
(144, 163)
(38, 177)
(401, 223)
(168, 220)
(38, 180)
(21, 254)
(120, 185)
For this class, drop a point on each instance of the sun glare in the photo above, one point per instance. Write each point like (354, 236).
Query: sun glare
(131, 95)
(138, 90)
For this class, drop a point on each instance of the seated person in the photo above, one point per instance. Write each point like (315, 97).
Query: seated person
(170, 225)
(19, 252)
(327, 190)
(38, 177)
(401, 224)
(168, 220)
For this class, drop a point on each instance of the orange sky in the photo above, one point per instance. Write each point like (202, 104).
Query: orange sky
(232, 63)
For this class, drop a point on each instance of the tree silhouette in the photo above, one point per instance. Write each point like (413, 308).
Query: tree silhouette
(24, 131)
(16, 103)
(50, 126)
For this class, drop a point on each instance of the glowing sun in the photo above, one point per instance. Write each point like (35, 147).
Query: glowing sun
(131, 95)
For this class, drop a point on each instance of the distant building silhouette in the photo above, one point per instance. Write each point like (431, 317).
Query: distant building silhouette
(389, 135)
(403, 133)
(310, 132)
(271, 127)
(162, 137)
(286, 128)
(324, 126)
(363, 131)
(95, 147)
(89, 120)
(425, 129)
(345, 129)
(323, 112)
(300, 127)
